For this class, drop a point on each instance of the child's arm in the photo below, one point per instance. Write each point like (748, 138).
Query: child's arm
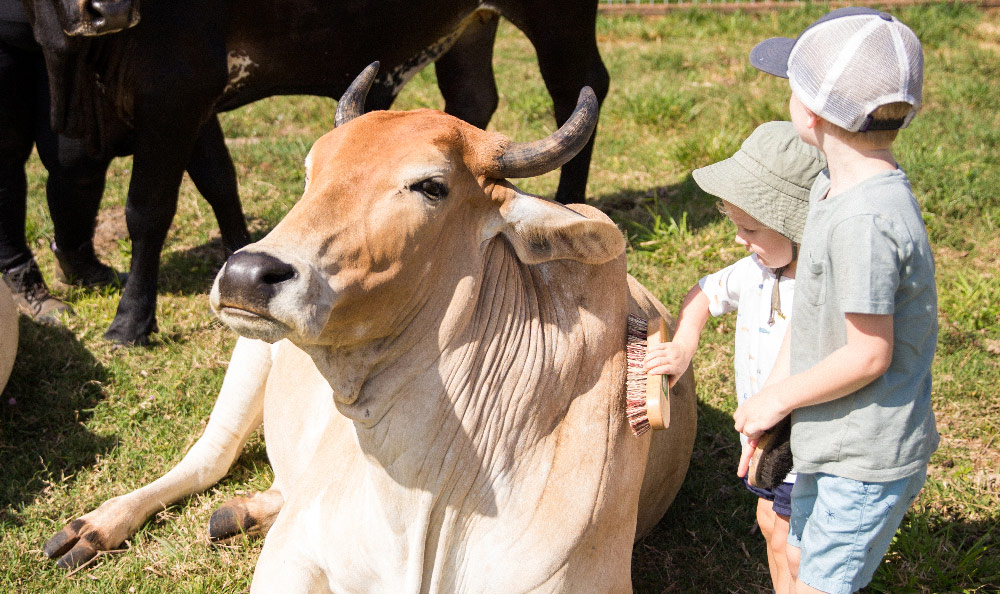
(673, 358)
(864, 358)
(780, 371)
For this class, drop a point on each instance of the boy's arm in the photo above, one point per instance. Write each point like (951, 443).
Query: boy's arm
(673, 358)
(866, 356)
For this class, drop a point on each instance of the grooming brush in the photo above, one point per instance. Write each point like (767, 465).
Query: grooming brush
(772, 460)
(647, 396)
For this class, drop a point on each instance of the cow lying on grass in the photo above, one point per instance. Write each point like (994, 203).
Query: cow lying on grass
(443, 392)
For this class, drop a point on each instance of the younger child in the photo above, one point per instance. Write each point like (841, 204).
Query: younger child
(856, 372)
(764, 189)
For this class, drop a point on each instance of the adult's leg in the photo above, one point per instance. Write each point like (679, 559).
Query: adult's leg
(17, 107)
(21, 65)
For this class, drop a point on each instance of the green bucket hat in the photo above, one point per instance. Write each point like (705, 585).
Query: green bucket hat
(769, 178)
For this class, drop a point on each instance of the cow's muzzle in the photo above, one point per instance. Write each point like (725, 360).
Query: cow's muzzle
(103, 17)
(250, 279)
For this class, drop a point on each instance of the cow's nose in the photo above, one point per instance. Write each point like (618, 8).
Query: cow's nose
(250, 279)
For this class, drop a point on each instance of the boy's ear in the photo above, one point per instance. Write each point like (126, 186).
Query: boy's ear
(811, 118)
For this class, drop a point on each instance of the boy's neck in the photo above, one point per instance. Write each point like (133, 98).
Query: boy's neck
(850, 165)
(789, 271)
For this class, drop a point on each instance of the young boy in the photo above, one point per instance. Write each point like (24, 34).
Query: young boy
(856, 374)
(765, 192)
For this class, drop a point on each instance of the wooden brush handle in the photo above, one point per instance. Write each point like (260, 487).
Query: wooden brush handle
(657, 386)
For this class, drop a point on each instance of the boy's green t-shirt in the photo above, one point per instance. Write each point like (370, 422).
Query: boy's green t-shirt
(866, 251)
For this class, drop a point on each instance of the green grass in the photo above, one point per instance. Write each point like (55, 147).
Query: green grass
(89, 421)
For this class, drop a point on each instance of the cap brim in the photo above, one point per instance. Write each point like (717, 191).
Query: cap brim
(771, 55)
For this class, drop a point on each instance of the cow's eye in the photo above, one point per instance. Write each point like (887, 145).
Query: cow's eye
(432, 188)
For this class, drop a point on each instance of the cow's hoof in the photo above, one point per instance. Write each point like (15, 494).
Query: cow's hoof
(82, 268)
(232, 519)
(124, 334)
(74, 545)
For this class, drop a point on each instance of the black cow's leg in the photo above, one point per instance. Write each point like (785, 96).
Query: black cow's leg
(465, 73)
(211, 169)
(74, 191)
(157, 169)
(568, 58)
(176, 86)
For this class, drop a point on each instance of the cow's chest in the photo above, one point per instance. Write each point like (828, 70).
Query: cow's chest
(298, 408)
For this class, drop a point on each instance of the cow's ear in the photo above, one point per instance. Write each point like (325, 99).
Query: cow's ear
(541, 231)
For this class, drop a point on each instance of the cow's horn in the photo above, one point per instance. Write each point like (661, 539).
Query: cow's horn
(352, 102)
(529, 159)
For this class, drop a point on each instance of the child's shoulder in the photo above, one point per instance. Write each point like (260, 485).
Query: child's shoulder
(884, 193)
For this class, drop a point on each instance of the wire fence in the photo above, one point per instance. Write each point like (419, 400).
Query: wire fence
(662, 6)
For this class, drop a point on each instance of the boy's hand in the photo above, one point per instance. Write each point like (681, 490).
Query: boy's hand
(758, 413)
(667, 358)
(745, 457)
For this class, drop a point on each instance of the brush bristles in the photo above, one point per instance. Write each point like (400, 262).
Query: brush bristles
(635, 377)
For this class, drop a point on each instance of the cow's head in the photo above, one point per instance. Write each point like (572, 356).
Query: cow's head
(397, 212)
(86, 18)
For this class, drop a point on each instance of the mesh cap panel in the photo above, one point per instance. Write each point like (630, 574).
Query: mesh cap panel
(845, 68)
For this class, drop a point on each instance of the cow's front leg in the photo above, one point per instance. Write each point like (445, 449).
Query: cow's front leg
(157, 168)
(237, 413)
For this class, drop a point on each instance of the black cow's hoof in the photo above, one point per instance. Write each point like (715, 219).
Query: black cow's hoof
(82, 268)
(123, 333)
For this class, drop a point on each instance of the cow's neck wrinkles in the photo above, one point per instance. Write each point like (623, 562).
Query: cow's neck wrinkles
(457, 401)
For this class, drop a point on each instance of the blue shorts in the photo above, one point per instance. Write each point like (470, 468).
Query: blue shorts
(780, 496)
(844, 527)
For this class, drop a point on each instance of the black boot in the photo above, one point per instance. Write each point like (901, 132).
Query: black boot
(32, 296)
(81, 267)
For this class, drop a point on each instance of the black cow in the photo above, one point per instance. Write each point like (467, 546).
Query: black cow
(76, 177)
(159, 83)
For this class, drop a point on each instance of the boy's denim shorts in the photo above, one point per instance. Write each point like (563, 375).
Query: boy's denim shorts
(843, 527)
(780, 496)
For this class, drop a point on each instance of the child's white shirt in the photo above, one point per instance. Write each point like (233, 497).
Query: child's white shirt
(746, 287)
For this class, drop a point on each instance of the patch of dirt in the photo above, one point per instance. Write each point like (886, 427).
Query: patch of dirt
(111, 227)
(982, 258)
(988, 33)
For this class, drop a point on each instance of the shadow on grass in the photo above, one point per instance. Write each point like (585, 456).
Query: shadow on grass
(192, 271)
(52, 391)
(650, 213)
(708, 540)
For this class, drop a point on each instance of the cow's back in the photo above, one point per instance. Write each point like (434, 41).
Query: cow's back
(670, 449)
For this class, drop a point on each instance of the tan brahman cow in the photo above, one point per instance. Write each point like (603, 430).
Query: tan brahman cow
(443, 392)
(8, 334)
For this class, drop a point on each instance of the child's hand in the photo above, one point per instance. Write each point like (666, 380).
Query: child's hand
(667, 358)
(745, 457)
(758, 413)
